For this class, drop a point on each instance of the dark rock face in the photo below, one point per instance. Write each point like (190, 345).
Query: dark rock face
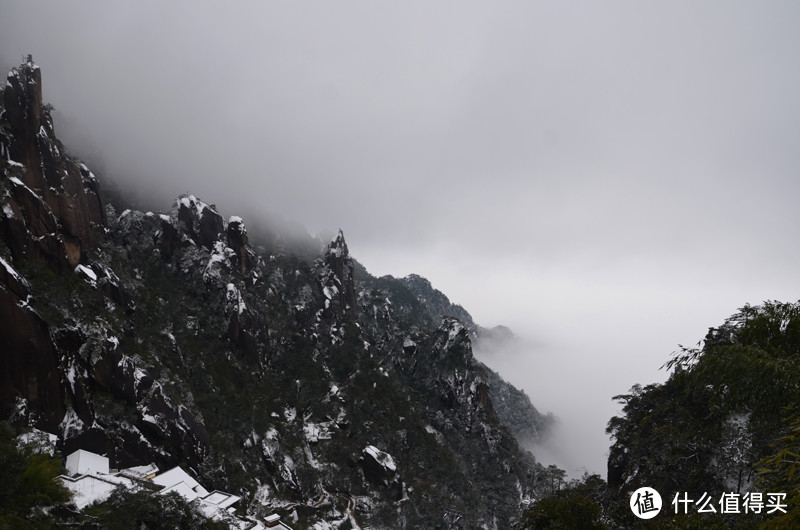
(51, 217)
(55, 200)
(381, 471)
(201, 221)
(338, 283)
(437, 304)
(237, 240)
(50, 211)
(29, 363)
(169, 239)
(515, 410)
(167, 338)
(22, 100)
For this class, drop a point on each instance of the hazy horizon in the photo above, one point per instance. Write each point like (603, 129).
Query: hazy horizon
(609, 180)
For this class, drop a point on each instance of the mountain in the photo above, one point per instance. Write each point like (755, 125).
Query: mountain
(437, 305)
(513, 406)
(718, 440)
(295, 380)
(725, 422)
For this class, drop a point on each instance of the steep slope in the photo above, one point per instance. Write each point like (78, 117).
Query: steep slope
(168, 338)
(513, 407)
(724, 421)
(437, 304)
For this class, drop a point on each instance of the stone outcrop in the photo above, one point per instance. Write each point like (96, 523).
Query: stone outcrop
(337, 279)
(380, 470)
(29, 363)
(165, 338)
(201, 221)
(237, 240)
(51, 217)
(53, 202)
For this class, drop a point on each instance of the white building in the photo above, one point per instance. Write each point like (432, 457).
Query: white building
(91, 480)
(87, 489)
(85, 463)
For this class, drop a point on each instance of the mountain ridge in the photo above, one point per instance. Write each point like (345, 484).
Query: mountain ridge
(169, 338)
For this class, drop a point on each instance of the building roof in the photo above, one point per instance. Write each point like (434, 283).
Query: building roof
(91, 481)
(221, 499)
(83, 462)
(87, 489)
(142, 472)
(177, 475)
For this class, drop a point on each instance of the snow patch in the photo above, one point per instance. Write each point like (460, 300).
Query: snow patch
(220, 256)
(88, 273)
(384, 459)
(314, 432)
(71, 425)
(233, 299)
(13, 273)
(41, 442)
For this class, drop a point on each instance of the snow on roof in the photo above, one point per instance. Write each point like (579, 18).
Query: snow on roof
(221, 499)
(140, 471)
(177, 475)
(91, 482)
(274, 521)
(183, 489)
(87, 489)
(84, 463)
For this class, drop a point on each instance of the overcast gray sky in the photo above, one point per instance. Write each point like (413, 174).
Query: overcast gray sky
(607, 178)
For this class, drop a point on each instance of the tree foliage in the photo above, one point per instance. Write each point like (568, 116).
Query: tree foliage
(563, 512)
(145, 509)
(721, 416)
(28, 489)
(584, 503)
(781, 472)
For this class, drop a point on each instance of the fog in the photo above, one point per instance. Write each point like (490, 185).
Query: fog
(607, 179)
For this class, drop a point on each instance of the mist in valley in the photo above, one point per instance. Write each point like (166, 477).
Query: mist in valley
(608, 181)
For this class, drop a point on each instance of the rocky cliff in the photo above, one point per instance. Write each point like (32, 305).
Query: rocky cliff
(325, 394)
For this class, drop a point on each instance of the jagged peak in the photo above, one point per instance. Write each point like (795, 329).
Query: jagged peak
(193, 203)
(29, 72)
(237, 223)
(29, 63)
(338, 246)
(418, 279)
(56, 185)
